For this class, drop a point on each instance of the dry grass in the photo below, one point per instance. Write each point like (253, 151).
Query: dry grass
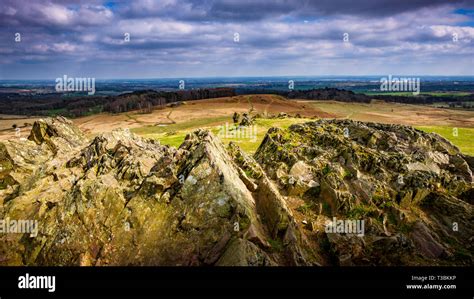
(170, 125)
(383, 112)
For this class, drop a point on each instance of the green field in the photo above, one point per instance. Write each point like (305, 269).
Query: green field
(464, 139)
(174, 134)
(249, 141)
(408, 94)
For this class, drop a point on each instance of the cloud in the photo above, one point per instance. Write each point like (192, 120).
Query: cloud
(196, 38)
(254, 10)
(51, 15)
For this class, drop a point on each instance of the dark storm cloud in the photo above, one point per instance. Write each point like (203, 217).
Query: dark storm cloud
(249, 10)
(378, 8)
(254, 10)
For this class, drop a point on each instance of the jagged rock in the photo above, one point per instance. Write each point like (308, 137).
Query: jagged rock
(247, 120)
(244, 253)
(236, 117)
(301, 171)
(377, 173)
(425, 242)
(272, 207)
(119, 199)
(122, 200)
(347, 248)
(56, 130)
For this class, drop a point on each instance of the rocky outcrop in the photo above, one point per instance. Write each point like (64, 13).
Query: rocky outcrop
(247, 120)
(119, 199)
(394, 178)
(124, 200)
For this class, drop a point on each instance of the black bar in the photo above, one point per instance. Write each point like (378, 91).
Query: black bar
(182, 282)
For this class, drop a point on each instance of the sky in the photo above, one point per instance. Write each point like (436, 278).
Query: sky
(208, 38)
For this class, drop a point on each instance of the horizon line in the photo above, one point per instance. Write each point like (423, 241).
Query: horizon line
(237, 77)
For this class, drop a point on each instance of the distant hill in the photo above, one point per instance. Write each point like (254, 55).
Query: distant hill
(149, 98)
(145, 100)
(75, 106)
(329, 94)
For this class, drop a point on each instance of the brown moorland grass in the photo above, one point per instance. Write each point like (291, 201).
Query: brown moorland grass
(215, 112)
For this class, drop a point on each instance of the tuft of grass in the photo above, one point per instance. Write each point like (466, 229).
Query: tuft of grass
(306, 208)
(277, 245)
(326, 170)
(361, 211)
(173, 140)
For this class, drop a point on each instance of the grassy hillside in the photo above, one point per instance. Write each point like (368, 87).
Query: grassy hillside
(174, 134)
(464, 139)
(428, 119)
